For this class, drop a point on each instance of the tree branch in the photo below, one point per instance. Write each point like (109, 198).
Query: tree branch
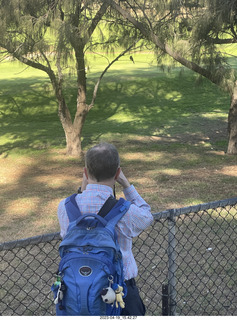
(97, 19)
(103, 73)
(149, 34)
(221, 41)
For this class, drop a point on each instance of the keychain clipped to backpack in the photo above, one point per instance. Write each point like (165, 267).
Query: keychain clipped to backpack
(59, 285)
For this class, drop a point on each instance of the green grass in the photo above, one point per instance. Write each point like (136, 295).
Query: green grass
(142, 100)
(29, 109)
(169, 128)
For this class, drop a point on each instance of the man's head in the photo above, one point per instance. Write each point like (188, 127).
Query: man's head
(102, 162)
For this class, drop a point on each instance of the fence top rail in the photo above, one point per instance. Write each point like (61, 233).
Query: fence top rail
(29, 241)
(157, 216)
(194, 209)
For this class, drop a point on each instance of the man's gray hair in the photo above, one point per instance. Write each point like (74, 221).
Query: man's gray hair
(102, 161)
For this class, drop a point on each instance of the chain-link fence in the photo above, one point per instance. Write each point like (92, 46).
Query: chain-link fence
(187, 264)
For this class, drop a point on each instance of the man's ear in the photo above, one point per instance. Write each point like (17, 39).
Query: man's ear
(86, 173)
(117, 173)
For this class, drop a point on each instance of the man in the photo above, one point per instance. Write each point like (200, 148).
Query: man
(102, 170)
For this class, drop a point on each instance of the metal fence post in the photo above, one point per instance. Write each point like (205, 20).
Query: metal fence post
(165, 300)
(172, 263)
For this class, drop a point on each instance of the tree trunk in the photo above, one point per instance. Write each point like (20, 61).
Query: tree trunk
(232, 123)
(73, 129)
(73, 133)
(73, 140)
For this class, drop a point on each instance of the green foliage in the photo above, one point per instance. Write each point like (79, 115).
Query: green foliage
(196, 29)
(43, 28)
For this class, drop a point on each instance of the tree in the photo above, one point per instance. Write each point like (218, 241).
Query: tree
(216, 28)
(51, 34)
(191, 32)
(212, 27)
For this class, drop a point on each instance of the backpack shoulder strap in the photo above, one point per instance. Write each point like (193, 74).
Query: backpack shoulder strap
(117, 212)
(107, 206)
(72, 208)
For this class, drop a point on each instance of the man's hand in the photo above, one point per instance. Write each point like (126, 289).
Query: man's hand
(122, 180)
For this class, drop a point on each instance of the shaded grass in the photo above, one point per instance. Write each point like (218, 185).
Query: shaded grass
(146, 102)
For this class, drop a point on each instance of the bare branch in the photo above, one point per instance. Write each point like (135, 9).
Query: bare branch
(103, 73)
(6, 56)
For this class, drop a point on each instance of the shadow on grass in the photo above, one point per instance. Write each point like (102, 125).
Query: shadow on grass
(166, 106)
(28, 112)
(170, 106)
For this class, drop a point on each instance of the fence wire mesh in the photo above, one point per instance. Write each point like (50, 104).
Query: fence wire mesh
(189, 254)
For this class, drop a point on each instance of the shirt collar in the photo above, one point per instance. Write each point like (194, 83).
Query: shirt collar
(99, 188)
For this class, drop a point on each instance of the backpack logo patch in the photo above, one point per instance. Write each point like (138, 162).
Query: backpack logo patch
(85, 271)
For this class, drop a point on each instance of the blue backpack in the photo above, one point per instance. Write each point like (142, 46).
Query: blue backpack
(91, 267)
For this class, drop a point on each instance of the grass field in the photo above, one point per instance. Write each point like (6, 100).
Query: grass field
(170, 129)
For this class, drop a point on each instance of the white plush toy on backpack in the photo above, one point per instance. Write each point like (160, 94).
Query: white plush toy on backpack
(108, 295)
